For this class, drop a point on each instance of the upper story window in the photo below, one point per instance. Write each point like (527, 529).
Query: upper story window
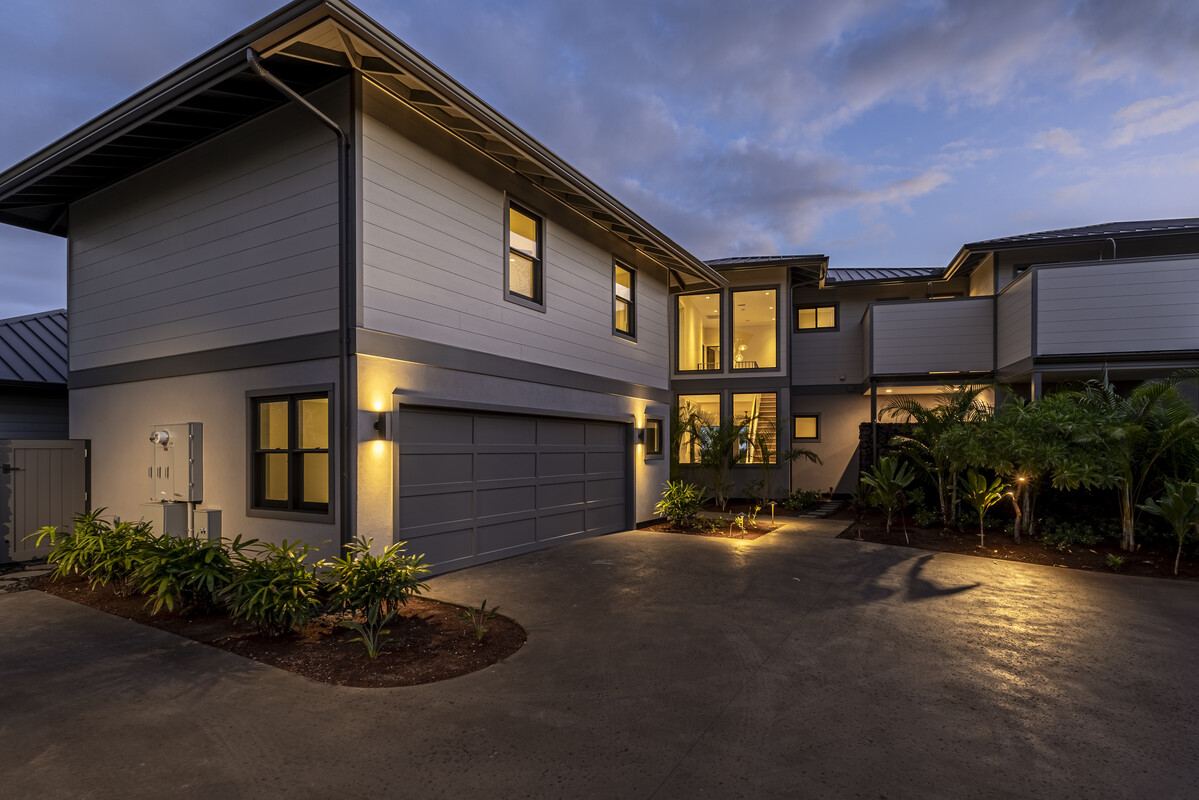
(624, 307)
(290, 453)
(755, 329)
(698, 331)
(811, 318)
(525, 272)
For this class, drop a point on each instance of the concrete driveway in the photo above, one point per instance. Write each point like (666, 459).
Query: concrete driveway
(657, 666)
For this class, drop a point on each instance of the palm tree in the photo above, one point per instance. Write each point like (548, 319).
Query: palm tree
(1153, 423)
(982, 495)
(721, 446)
(930, 444)
(1178, 506)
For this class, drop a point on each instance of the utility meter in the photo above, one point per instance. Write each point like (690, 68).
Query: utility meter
(176, 471)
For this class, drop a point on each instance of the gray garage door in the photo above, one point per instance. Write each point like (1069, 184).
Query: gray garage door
(475, 487)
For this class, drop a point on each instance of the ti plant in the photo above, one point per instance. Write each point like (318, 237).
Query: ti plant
(273, 588)
(982, 494)
(190, 573)
(478, 618)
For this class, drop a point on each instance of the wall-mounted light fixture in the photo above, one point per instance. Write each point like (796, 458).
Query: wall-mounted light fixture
(381, 426)
(639, 435)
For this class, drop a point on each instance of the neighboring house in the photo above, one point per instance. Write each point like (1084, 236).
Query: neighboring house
(33, 376)
(1026, 312)
(393, 312)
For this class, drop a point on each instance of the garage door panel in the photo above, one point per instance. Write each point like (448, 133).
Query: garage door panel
(431, 509)
(555, 526)
(556, 432)
(505, 430)
(556, 495)
(599, 434)
(605, 462)
(605, 519)
(496, 466)
(491, 502)
(443, 548)
(506, 535)
(416, 427)
(550, 465)
(515, 483)
(424, 469)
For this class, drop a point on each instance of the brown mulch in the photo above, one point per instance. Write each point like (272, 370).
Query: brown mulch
(428, 640)
(1148, 561)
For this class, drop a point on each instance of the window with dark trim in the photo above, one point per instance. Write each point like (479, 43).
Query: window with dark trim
(653, 437)
(624, 301)
(290, 467)
(806, 428)
(524, 274)
(698, 331)
(703, 411)
(816, 317)
(759, 412)
(755, 331)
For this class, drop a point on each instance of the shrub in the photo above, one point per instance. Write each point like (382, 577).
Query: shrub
(273, 589)
(681, 503)
(755, 492)
(186, 572)
(1067, 534)
(926, 518)
(374, 587)
(801, 499)
(100, 551)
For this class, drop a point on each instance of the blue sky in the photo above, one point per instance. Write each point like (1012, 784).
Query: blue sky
(880, 133)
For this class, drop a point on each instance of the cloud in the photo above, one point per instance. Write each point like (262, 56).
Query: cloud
(1058, 140)
(1153, 118)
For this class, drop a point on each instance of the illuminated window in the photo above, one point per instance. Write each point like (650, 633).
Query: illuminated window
(759, 411)
(698, 331)
(810, 318)
(624, 309)
(806, 427)
(525, 269)
(700, 411)
(755, 329)
(290, 464)
(653, 437)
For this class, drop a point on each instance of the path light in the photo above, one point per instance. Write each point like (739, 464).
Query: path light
(772, 512)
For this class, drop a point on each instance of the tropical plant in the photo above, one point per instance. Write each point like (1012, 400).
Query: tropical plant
(373, 587)
(103, 552)
(272, 587)
(684, 419)
(930, 444)
(681, 503)
(1115, 562)
(982, 494)
(186, 572)
(1153, 424)
(1179, 507)
(801, 499)
(478, 618)
(721, 446)
(887, 481)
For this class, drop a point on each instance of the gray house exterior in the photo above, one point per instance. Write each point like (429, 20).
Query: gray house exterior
(33, 376)
(391, 311)
(1025, 312)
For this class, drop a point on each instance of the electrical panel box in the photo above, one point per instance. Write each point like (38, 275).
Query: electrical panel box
(168, 518)
(176, 471)
(208, 524)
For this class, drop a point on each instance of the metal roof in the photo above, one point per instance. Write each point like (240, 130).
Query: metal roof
(864, 274)
(307, 44)
(1104, 230)
(33, 349)
(754, 261)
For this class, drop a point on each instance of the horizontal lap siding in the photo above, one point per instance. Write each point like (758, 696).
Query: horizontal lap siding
(940, 335)
(433, 269)
(230, 243)
(33, 414)
(1121, 307)
(1014, 328)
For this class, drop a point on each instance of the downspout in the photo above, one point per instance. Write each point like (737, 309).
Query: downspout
(1113, 241)
(346, 280)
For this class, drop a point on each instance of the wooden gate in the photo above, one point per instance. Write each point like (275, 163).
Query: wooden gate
(42, 482)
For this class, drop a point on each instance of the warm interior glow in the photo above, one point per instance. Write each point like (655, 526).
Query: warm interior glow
(699, 332)
(755, 332)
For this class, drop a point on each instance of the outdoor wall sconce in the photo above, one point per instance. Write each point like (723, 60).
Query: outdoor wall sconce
(639, 435)
(381, 426)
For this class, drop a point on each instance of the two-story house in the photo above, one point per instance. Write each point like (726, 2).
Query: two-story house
(1024, 312)
(391, 311)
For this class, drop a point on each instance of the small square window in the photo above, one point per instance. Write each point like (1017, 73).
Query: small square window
(624, 306)
(806, 427)
(524, 273)
(811, 318)
(653, 437)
